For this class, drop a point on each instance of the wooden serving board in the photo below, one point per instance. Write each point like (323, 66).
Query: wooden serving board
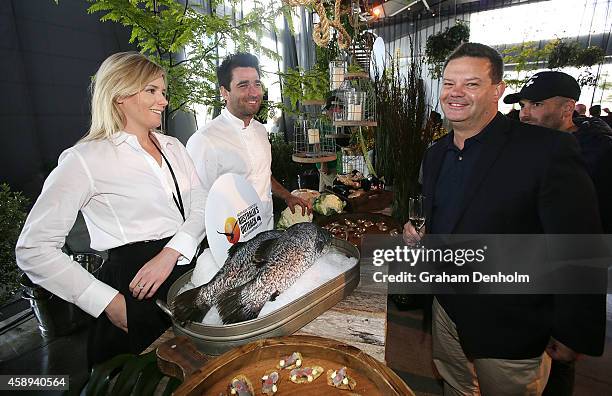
(341, 218)
(253, 360)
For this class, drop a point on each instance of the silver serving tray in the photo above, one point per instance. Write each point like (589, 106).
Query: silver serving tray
(215, 340)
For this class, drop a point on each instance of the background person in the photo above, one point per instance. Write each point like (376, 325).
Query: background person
(608, 117)
(492, 175)
(548, 100)
(141, 199)
(581, 109)
(234, 142)
(595, 111)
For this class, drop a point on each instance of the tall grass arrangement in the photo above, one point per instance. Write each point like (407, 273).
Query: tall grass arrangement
(401, 137)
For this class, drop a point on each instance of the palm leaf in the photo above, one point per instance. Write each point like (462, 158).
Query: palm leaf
(132, 375)
(148, 380)
(131, 372)
(102, 374)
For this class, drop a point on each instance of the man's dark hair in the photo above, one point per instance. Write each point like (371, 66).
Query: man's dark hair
(477, 50)
(240, 59)
(595, 111)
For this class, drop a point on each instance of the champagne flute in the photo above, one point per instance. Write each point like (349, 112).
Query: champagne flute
(416, 212)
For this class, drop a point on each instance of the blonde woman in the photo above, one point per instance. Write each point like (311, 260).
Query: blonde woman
(141, 199)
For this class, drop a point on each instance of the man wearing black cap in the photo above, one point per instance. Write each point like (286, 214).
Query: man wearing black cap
(548, 99)
(493, 175)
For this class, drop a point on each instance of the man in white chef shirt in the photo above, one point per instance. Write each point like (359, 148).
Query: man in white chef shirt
(234, 142)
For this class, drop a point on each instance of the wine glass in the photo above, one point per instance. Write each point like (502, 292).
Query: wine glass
(416, 212)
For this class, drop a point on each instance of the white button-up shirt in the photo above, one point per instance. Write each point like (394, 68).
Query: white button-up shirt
(125, 197)
(225, 145)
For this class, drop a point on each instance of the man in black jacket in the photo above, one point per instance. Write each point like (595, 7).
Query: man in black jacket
(492, 175)
(548, 99)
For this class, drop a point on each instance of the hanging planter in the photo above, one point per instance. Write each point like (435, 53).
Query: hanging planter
(569, 53)
(563, 54)
(590, 56)
(439, 46)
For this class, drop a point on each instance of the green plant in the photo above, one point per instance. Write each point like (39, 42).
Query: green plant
(563, 54)
(439, 46)
(525, 56)
(324, 55)
(354, 68)
(401, 137)
(12, 216)
(590, 56)
(185, 41)
(128, 374)
(299, 84)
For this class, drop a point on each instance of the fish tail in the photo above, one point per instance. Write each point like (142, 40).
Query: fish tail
(237, 305)
(185, 309)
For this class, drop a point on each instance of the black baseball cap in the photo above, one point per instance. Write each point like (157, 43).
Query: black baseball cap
(546, 85)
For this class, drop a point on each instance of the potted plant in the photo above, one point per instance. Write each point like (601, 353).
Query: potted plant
(299, 85)
(563, 53)
(590, 56)
(439, 46)
(12, 217)
(401, 137)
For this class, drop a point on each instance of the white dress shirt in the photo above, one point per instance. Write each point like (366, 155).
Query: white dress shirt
(225, 145)
(125, 197)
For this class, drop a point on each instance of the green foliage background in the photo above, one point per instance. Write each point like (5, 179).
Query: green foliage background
(13, 206)
(555, 54)
(164, 28)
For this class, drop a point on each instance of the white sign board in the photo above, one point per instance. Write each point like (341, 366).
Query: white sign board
(233, 214)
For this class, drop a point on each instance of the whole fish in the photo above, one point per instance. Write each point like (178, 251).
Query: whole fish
(288, 258)
(242, 264)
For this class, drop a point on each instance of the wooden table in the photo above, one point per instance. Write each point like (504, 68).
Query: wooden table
(359, 320)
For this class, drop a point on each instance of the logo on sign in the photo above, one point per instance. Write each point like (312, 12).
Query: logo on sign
(232, 230)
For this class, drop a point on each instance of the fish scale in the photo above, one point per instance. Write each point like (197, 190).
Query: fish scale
(240, 266)
(290, 256)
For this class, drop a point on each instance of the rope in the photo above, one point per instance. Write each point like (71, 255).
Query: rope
(320, 33)
(296, 3)
(344, 39)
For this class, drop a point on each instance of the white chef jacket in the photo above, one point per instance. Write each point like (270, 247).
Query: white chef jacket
(125, 197)
(225, 145)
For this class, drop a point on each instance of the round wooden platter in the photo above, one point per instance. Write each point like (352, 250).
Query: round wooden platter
(257, 358)
(306, 158)
(340, 218)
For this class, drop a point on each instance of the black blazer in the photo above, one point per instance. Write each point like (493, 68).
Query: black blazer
(528, 180)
